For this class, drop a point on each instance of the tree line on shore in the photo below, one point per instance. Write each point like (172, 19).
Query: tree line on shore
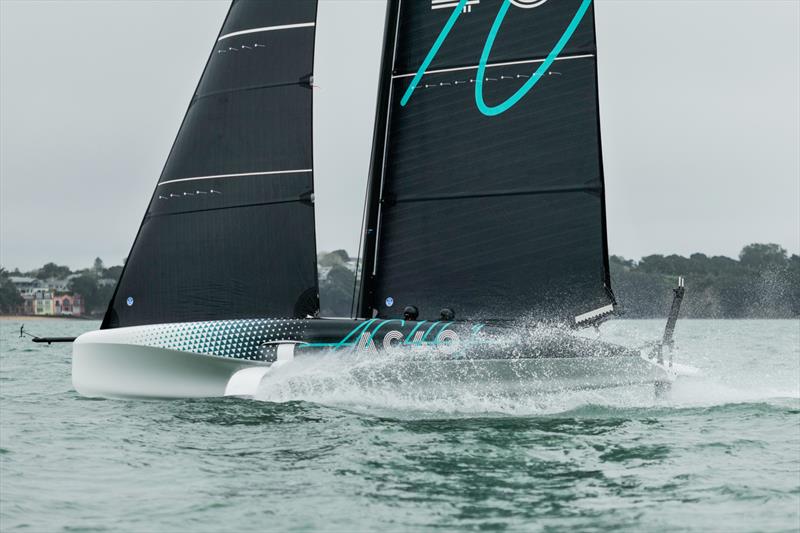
(764, 282)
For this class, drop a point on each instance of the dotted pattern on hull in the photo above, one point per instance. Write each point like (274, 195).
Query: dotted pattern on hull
(238, 339)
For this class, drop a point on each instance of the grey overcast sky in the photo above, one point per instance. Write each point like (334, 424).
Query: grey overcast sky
(700, 112)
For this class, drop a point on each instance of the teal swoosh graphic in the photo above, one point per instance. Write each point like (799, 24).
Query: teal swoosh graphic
(487, 48)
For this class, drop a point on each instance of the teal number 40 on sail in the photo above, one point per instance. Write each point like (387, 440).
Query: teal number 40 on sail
(487, 49)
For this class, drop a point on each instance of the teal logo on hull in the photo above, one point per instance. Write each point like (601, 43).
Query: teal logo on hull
(371, 336)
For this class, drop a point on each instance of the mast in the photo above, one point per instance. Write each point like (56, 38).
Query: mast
(377, 167)
(606, 265)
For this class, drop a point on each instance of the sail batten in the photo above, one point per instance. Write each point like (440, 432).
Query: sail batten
(524, 61)
(267, 28)
(238, 206)
(239, 175)
(519, 192)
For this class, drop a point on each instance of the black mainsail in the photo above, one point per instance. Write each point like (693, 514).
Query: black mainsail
(497, 217)
(229, 232)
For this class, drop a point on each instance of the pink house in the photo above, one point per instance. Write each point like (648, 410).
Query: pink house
(67, 304)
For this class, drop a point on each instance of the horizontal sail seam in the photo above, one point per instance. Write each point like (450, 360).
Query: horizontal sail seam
(268, 28)
(515, 192)
(244, 174)
(256, 204)
(490, 65)
(303, 82)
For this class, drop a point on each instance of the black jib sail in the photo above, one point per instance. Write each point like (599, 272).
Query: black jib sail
(497, 213)
(229, 232)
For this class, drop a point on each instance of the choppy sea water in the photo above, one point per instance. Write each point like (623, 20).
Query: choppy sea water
(720, 453)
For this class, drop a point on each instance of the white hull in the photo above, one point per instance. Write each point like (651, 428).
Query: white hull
(105, 364)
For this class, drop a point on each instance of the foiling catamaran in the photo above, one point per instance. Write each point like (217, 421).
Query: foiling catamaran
(484, 212)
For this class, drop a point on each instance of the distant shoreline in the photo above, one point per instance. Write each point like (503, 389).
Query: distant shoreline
(9, 318)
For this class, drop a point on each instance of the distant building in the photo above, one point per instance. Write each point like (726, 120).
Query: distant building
(61, 285)
(43, 302)
(26, 285)
(28, 305)
(67, 304)
(50, 298)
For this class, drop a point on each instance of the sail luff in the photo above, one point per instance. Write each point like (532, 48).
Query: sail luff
(310, 195)
(372, 206)
(108, 315)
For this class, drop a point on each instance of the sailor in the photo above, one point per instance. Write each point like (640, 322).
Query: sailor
(447, 314)
(410, 313)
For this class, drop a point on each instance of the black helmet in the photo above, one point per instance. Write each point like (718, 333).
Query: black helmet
(447, 314)
(410, 312)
